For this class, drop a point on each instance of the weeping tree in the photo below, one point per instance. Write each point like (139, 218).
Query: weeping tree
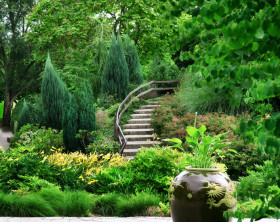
(132, 60)
(69, 123)
(115, 75)
(53, 91)
(24, 116)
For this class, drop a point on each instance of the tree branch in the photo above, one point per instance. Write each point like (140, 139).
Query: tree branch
(28, 67)
(3, 53)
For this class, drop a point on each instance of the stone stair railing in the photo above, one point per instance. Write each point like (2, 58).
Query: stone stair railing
(142, 132)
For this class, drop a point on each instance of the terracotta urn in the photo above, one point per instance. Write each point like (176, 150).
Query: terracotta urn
(201, 195)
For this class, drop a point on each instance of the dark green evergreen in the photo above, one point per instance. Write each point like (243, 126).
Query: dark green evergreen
(132, 60)
(24, 116)
(70, 120)
(86, 109)
(53, 92)
(115, 75)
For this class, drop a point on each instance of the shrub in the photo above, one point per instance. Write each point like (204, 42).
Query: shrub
(124, 205)
(77, 170)
(106, 204)
(40, 138)
(170, 121)
(53, 92)
(151, 168)
(204, 99)
(23, 161)
(24, 117)
(136, 204)
(162, 70)
(101, 146)
(46, 203)
(35, 106)
(258, 180)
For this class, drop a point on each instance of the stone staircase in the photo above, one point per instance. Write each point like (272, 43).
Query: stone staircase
(138, 131)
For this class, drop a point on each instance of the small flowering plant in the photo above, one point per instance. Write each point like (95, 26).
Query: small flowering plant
(203, 146)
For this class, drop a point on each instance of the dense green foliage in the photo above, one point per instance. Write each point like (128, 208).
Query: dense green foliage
(39, 138)
(35, 106)
(53, 92)
(70, 123)
(115, 75)
(170, 120)
(47, 202)
(17, 68)
(132, 60)
(24, 116)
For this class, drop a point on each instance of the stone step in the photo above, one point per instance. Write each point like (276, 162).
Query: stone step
(154, 103)
(130, 152)
(139, 137)
(137, 126)
(129, 157)
(149, 107)
(140, 121)
(148, 131)
(140, 116)
(139, 144)
(144, 111)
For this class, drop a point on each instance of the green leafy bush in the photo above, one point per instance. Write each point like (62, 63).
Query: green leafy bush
(23, 161)
(40, 138)
(169, 121)
(124, 205)
(151, 168)
(259, 179)
(35, 106)
(162, 70)
(101, 146)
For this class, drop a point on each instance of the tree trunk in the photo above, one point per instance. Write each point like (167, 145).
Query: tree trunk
(8, 105)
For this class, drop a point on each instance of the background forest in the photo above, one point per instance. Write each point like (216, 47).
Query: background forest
(77, 60)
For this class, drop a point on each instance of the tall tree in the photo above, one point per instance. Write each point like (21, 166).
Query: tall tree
(132, 60)
(16, 64)
(86, 110)
(70, 120)
(115, 74)
(53, 92)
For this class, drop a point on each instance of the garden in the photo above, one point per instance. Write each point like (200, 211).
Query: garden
(66, 67)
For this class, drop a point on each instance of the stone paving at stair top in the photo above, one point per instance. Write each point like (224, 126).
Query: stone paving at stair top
(102, 219)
